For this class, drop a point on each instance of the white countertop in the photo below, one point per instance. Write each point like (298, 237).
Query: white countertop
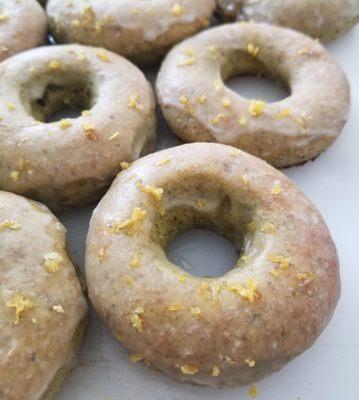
(330, 369)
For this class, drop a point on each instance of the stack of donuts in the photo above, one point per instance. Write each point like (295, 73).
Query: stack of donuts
(218, 332)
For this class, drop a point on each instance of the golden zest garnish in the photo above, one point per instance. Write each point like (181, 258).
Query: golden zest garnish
(175, 307)
(283, 264)
(306, 276)
(202, 99)
(276, 190)
(52, 261)
(20, 304)
(235, 153)
(101, 254)
(248, 292)
(155, 192)
(163, 162)
(136, 260)
(195, 311)
(256, 108)
(90, 132)
(226, 102)
(245, 179)
(177, 10)
(253, 391)
(58, 308)
(54, 65)
(135, 358)
(243, 121)
(136, 319)
(9, 224)
(65, 123)
(251, 363)
(200, 203)
(114, 136)
(215, 371)
(102, 55)
(229, 360)
(211, 291)
(15, 175)
(215, 120)
(86, 113)
(190, 61)
(125, 165)
(286, 112)
(133, 102)
(269, 228)
(130, 226)
(189, 369)
(252, 49)
(10, 106)
(129, 280)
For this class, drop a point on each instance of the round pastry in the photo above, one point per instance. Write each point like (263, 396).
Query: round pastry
(70, 162)
(322, 19)
(23, 25)
(223, 331)
(42, 308)
(140, 31)
(199, 106)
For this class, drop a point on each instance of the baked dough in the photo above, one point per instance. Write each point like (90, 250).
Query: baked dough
(199, 106)
(141, 31)
(322, 19)
(71, 162)
(224, 331)
(22, 26)
(42, 308)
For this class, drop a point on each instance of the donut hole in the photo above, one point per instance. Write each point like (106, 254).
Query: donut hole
(202, 252)
(251, 78)
(58, 102)
(50, 98)
(258, 87)
(199, 216)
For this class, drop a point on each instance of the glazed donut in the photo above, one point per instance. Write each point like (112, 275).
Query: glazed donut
(199, 107)
(42, 308)
(223, 331)
(71, 161)
(322, 19)
(22, 26)
(140, 31)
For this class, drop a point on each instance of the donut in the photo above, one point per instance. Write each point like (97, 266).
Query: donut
(218, 332)
(140, 31)
(322, 19)
(198, 105)
(23, 25)
(42, 308)
(70, 162)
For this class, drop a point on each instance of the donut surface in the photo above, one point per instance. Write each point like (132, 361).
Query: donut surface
(71, 161)
(42, 308)
(322, 19)
(223, 331)
(199, 106)
(141, 31)
(22, 26)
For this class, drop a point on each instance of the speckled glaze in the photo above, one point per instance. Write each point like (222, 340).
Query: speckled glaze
(38, 349)
(199, 107)
(322, 19)
(225, 331)
(22, 26)
(70, 162)
(141, 31)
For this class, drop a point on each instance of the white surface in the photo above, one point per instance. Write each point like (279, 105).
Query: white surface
(329, 370)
